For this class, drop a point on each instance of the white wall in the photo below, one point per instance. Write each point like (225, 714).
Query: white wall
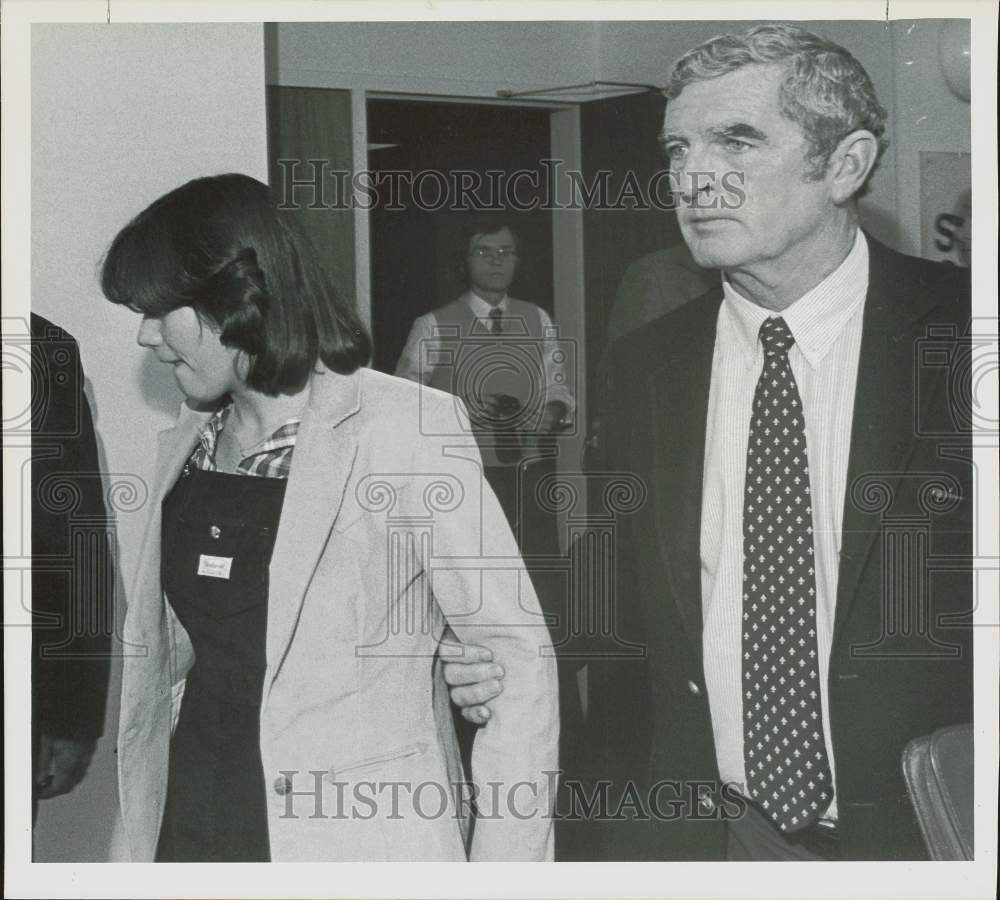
(926, 116)
(473, 59)
(120, 114)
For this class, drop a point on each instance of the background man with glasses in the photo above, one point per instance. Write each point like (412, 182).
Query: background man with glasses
(498, 353)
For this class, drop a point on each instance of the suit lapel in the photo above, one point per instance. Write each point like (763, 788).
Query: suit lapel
(678, 398)
(886, 411)
(145, 622)
(321, 466)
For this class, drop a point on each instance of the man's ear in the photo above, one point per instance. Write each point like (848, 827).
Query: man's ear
(851, 163)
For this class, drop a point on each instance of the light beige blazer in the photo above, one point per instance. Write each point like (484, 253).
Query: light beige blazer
(387, 532)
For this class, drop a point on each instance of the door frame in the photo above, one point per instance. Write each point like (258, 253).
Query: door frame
(569, 301)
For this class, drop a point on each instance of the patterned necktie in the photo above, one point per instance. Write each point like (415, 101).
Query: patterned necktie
(495, 317)
(787, 769)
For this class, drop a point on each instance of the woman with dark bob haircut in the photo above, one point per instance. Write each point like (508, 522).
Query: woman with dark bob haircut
(314, 528)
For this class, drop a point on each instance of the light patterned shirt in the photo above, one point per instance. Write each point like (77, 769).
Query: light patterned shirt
(271, 458)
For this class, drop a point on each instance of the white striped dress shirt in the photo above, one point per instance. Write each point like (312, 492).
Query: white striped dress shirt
(826, 324)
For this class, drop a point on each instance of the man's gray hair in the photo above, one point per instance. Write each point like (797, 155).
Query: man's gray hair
(826, 91)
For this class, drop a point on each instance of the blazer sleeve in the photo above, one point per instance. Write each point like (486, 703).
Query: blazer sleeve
(72, 578)
(481, 586)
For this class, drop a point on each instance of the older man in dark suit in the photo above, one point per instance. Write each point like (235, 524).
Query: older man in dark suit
(800, 577)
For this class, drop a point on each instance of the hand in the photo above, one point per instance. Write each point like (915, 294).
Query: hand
(491, 405)
(484, 410)
(60, 765)
(554, 418)
(501, 408)
(474, 679)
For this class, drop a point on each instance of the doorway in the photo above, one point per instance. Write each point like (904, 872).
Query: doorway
(421, 154)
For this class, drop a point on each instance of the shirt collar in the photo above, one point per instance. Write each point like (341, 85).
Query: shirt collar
(818, 317)
(209, 436)
(283, 436)
(480, 308)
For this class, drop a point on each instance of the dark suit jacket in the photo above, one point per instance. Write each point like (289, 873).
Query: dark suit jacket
(72, 581)
(655, 285)
(901, 662)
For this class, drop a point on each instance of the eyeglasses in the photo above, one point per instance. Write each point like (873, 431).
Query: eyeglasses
(500, 253)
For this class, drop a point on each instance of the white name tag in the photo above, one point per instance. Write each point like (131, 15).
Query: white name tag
(214, 566)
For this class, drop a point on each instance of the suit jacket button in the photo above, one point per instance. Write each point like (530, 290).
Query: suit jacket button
(693, 689)
(706, 802)
(282, 785)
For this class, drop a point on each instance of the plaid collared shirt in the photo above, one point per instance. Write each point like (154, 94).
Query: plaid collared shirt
(271, 458)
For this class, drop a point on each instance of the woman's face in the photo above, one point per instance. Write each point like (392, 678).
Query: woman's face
(203, 367)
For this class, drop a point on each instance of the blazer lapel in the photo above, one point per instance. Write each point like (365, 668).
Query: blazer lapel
(176, 444)
(321, 466)
(884, 430)
(678, 398)
(145, 622)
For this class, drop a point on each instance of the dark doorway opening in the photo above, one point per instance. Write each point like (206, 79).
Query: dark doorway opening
(414, 237)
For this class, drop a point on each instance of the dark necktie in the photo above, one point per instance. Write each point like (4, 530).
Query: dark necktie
(495, 317)
(788, 773)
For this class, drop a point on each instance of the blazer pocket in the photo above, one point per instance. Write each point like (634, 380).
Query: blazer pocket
(347, 518)
(361, 767)
(352, 510)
